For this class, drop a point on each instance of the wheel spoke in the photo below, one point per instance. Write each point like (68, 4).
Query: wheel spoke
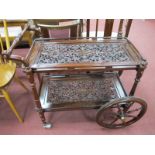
(137, 109)
(114, 115)
(114, 121)
(129, 105)
(130, 116)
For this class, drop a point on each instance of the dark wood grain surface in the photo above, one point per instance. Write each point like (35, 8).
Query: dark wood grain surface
(48, 53)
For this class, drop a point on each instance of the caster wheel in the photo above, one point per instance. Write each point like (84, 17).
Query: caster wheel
(120, 113)
(47, 125)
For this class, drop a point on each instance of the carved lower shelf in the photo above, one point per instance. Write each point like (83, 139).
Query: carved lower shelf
(79, 91)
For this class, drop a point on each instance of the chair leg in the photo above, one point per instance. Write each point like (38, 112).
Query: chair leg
(8, 99)
(21, 83)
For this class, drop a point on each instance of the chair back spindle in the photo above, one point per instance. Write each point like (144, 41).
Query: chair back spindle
(6, 34)
(1, 46)
(128, 26)
(97, 22)
(88, 28)
(123, 28)
(108, 27)
(1, 50)
(120, 29)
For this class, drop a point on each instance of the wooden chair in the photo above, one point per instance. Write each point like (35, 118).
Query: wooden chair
(123, 28)
(7, 74)
(15, 27)
(57, 24)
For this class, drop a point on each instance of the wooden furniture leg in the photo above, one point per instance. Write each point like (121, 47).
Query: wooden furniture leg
(137, 80)
(37, 101)
(12, 106)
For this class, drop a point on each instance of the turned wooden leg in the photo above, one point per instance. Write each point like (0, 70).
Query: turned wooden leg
(137, 80)
(37, 101)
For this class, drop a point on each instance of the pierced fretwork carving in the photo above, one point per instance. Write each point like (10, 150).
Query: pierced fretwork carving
(52, 53)
(84, 90)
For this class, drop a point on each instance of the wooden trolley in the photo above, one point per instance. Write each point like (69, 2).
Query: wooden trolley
(85, 74)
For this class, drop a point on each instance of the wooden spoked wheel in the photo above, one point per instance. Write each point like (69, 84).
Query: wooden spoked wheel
(120, 113)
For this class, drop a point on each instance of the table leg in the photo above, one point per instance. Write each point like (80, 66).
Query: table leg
(137, 80)
(37, 101)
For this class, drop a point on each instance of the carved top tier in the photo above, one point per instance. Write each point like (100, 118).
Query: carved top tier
(47, 53)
